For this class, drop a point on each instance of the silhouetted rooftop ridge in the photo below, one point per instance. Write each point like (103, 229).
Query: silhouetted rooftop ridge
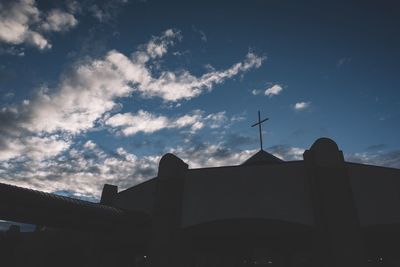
(262, 157)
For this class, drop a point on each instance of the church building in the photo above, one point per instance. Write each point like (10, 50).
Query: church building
(319, 211)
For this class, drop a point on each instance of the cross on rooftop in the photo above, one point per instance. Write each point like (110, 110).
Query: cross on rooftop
(259, 128)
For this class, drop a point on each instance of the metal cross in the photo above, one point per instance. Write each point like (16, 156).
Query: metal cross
(259, 128)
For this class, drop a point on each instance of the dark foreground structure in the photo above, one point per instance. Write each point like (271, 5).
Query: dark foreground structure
(320, 211)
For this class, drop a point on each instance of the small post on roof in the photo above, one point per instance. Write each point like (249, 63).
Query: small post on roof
(259, 128)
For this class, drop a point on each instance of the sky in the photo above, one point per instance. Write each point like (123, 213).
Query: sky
(95, 92)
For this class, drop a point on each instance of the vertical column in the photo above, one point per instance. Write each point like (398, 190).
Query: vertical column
(337, 240)
(108, 194)
(166, 246)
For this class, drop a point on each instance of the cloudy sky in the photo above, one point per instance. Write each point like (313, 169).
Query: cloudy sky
(95, 92)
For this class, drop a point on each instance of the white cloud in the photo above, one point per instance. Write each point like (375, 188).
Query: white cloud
(82, 171)
(143, 121)
(176, 86)
(17, 142)
(172, 86)
(216, 120)
(287, 152)
(39, 148)
(58, 20)
(73, 107)
(38, 40)
(33, 147)
(158, 46)
(211, 155)
(273, 90)
(90, 90)
(22, 22)
(16, 18)
(194, 121)
(80, 99)
(379, 158)
(301, 105)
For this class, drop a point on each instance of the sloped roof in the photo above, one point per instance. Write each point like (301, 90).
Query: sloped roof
(36, 207)
(262, 157)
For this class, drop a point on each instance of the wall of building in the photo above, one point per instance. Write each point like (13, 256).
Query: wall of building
(275, 192)
(376, 192)
(137, 198)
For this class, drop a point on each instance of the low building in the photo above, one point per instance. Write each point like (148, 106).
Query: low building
(319, 211)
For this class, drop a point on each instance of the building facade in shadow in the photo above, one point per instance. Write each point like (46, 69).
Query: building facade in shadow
(319, 211)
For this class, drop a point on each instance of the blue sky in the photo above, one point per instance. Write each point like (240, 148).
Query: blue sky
(94, 92)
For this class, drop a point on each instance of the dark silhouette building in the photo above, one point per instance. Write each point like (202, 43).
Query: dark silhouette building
(319, 211)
